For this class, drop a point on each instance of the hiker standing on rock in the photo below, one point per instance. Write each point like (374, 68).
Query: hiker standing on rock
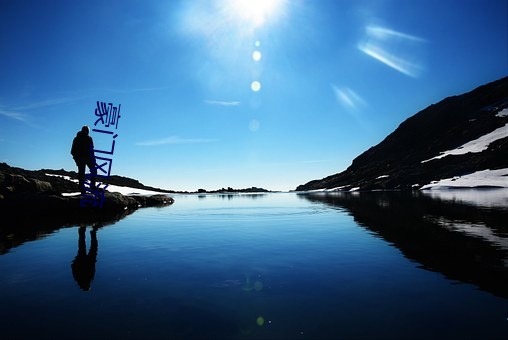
(82, 152)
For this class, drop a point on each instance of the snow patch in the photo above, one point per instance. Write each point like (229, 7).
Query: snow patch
(477, 145)
(131, 191)
(64, 177)
(69, 194)
(382, 176)
(337, 188)
(492, 178)
(503, 113)
(111, 188)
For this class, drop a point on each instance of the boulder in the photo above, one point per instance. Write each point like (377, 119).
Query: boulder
(26, 201)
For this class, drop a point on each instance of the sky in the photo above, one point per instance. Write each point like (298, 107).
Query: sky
(234, 93)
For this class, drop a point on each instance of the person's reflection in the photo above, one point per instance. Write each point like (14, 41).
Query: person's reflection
(83, 266)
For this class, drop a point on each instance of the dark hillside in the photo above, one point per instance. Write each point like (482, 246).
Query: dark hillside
(442, 126)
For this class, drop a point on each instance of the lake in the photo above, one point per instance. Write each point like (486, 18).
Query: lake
(384, 265)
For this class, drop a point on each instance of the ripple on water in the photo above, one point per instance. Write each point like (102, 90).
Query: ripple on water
(238, 209)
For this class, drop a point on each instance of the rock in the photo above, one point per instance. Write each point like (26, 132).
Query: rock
(29, 201)
(153, 200)
(41, 186)
(32, 205)
(12, 183)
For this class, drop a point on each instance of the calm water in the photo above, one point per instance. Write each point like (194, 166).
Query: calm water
(276, 266)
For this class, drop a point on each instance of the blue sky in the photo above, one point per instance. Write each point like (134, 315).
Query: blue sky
(335, 78)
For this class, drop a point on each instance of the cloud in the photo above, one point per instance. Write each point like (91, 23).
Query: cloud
(45, 103)
(398, 50)
(122, 91)
(222, 103)
(18, 112)
(14, 115)
(173, 140)
(386, 33)
(348, 98)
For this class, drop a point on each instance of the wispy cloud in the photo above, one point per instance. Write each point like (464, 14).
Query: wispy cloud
(45, 103)
(384, 33)
(141, 89)
(172, 140)
(348, 98)
(19, 111)
(14, 115)
(398, 50)
(222, 103)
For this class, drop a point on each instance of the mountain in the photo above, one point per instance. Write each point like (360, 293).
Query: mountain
(453, 142)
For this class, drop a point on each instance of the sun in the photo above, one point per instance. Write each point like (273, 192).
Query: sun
(255, 12)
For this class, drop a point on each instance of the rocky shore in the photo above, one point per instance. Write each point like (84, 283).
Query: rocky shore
(30, 196)
(33, 205)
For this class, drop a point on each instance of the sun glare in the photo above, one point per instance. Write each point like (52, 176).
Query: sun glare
(255, 11)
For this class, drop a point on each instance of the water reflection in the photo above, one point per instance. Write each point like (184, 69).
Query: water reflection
(465, 242)
(35, 228)
(485, 198)
(83, 265)
(231, 196)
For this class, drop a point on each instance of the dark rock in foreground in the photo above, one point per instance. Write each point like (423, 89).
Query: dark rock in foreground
(31, 207)
(24, 200)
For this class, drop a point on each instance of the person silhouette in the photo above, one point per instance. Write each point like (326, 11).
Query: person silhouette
(83, 265)
(82, 152)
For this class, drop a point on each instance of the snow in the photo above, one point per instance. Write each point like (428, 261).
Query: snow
(503, 113)
(382, 176)
(130, 191)
(64, 177)
(111, 188)
(477, 145)
(69, 194)
(337, 188)
(493, 178)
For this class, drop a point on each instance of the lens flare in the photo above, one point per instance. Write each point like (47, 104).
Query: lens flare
(256, 56)
(254, 125)
(255, 86)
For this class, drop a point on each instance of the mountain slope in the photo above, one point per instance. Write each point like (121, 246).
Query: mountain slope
(404, 159)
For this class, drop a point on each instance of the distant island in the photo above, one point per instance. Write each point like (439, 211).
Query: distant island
(230, 190)
(460, 142)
